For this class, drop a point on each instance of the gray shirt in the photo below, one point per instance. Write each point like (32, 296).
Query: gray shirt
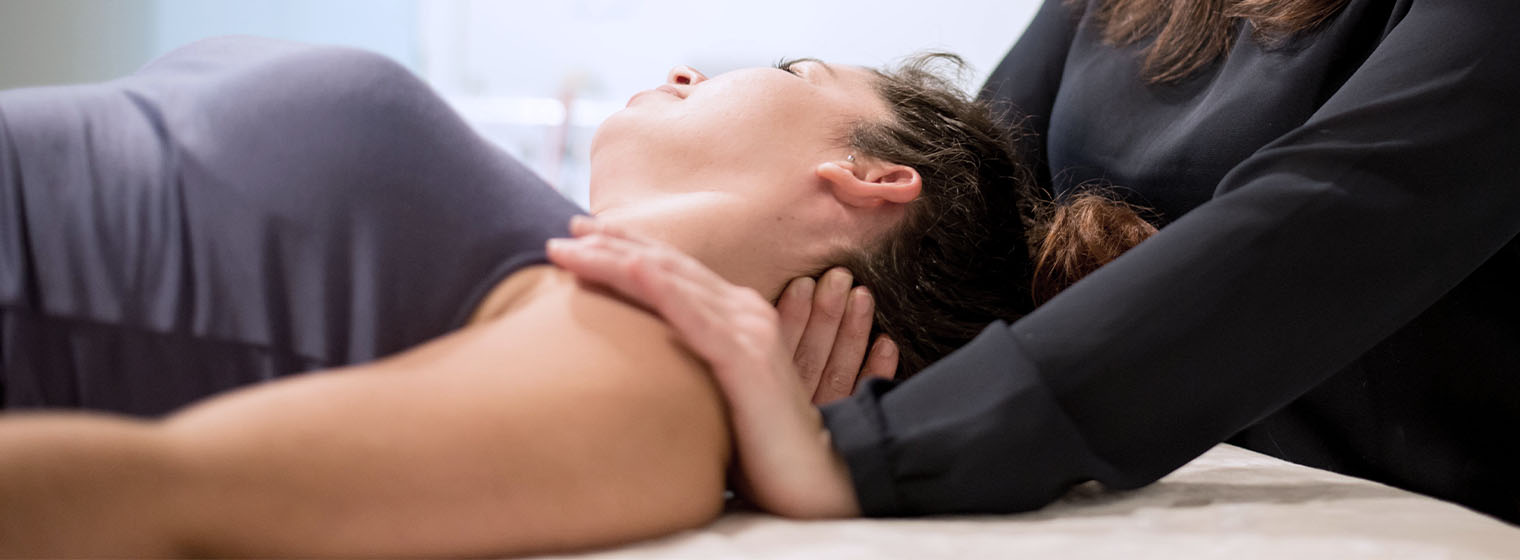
(239, 210)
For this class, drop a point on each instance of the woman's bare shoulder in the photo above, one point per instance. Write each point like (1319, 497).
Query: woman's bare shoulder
(542, 322)
(586, 330)
(553, 296)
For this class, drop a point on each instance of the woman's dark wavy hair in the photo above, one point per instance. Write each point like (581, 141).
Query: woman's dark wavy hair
(973, 247)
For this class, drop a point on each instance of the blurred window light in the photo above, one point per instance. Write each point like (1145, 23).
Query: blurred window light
(514, 66)
(534, 76)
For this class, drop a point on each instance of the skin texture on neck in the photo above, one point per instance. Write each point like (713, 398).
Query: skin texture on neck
(756, 251)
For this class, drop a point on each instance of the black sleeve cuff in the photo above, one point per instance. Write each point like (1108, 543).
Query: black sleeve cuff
(977, 432)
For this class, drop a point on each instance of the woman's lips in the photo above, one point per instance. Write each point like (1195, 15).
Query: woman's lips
(667, 89)
(670, 89)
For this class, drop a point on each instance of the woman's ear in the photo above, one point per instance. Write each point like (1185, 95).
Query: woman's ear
(869, 183)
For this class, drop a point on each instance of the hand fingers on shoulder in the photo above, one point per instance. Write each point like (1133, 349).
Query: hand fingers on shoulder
(589, 225)
(654, 274)
(583, 226)
(589, 261)
(622, 258)
(677, 262)
(693, 311)
(661, 257)
(623, 267)
(642, 252)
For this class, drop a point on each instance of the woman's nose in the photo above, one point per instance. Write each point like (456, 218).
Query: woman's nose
(684, 75)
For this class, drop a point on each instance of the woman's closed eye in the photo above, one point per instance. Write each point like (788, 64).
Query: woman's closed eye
(790, 65)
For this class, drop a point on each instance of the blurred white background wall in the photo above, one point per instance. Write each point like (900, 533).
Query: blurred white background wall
(61, 41)
(536, 76)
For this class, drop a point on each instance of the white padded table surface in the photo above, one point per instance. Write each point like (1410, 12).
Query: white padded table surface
(1229, 503)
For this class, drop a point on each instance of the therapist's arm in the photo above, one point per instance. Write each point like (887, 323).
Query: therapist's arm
(572, 422)
(1317, 246)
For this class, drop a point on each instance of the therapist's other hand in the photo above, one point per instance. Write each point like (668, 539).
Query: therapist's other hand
(786, 462)
(827, 326)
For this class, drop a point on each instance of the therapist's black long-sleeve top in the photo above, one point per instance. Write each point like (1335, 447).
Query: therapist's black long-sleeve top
(1335, 284)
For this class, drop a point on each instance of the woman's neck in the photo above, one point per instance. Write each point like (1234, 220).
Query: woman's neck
(714, 228)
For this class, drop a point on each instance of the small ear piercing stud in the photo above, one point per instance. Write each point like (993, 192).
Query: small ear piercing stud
(850, 158)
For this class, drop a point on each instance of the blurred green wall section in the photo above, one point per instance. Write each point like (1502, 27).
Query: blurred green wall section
(68, 41)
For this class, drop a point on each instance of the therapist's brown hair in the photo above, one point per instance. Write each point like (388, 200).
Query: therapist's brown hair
(1191, 34)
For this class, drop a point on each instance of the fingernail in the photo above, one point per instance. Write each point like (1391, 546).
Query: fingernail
(582, 224)
(887, 348)
(802, 287)
(556, 245)
(862, 299)
(842, 276)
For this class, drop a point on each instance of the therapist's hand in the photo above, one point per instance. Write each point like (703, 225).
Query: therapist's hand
(826, 325)
(786, 463)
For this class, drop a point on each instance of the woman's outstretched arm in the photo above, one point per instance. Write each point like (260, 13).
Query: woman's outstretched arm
(572, 421)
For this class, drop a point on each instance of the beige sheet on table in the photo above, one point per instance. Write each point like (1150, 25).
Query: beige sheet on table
(1229, 503)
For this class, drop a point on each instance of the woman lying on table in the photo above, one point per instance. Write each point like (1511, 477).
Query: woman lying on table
(244, 209)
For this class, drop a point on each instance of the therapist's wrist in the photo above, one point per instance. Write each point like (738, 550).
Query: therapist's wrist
(843, 502)
(808, 480)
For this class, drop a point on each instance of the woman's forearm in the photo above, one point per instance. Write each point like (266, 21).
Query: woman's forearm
(87, 485)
